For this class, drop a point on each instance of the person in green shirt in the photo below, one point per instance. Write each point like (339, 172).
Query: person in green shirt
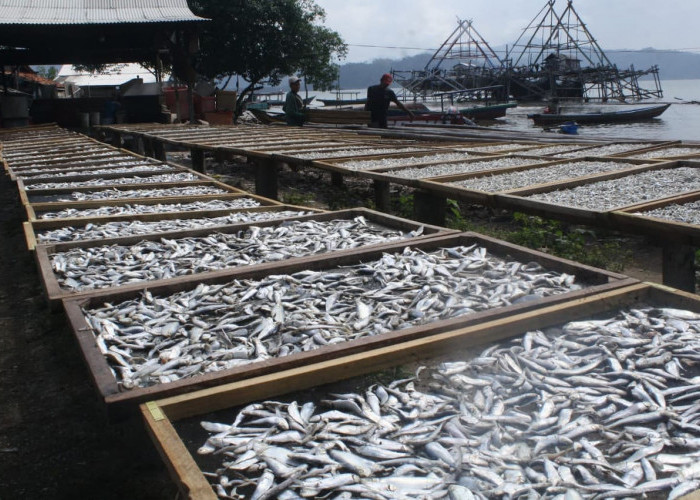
(294, 105)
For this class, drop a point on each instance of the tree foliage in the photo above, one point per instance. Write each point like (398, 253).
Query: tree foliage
(262, 41)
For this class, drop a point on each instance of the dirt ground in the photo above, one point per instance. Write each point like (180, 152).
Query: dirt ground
(55, 439)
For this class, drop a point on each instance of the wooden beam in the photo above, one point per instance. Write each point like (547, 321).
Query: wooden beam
(679, 266)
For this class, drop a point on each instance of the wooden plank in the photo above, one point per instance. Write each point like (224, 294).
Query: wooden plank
(181, 465)
(266, 178)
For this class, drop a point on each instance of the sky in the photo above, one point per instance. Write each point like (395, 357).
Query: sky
(407, 25)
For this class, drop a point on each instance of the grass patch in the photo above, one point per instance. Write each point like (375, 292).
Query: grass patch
(595, 248)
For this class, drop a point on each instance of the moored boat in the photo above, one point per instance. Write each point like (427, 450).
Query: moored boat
(636, 114)
(491, 112)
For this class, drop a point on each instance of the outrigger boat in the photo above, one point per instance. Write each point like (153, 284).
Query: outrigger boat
(631, 115)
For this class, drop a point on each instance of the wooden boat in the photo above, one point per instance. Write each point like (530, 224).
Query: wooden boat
(487, 112)
(343, 102)
(637, 114)
(473, 113)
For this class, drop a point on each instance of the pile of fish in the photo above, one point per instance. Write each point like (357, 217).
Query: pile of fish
(151, 179)
(115, 194)
(541, 175)
(350, 151)
(460, 168)
(106, 266)
(608, 149)
(150, 340)
(117, 229)
(390, 162)
(601, 408)
(137, 209)
(689, 213)
(628, 190)
(669, 152)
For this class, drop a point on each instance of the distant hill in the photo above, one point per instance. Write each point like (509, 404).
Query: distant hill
(672, 65)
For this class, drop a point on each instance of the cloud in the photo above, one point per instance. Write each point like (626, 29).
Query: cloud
(395, 28)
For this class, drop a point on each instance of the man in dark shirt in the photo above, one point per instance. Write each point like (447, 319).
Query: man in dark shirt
(294, 105)
(379, 97)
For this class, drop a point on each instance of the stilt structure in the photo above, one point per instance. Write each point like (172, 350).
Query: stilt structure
(475, 71)
(555, 58)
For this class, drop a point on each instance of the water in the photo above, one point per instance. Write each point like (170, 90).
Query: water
(679, 122)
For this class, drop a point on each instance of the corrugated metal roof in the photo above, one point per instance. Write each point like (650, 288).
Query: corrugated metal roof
(94, 11)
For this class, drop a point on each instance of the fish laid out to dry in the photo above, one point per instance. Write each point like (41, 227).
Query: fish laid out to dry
(606, 150)
(130, 169)
(150, 179)
(559, 172)
(349, 151)
(390, 162)
(81, 167)
(117, 229)
(460, 168)
(628, 190)
(106, 266)
(597, 409)
(669, 152)
(138, 209)
(688, 213)
(115, 194)
(151, 339)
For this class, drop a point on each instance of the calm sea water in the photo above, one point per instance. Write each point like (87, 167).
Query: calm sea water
(679, 122)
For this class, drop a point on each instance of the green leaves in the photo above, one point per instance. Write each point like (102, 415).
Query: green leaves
(266, 40)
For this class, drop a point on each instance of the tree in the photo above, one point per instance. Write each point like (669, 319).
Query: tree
(263, 41)
(49, 72)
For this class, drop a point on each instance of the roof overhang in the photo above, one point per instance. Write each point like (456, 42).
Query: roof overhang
(88, 31)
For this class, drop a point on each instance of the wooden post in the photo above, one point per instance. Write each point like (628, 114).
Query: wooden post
(266, 178)
(429, 208)
(336, 179)
(117, 139)
(148, 147)
(220, 157)
(382, 196)
(139, 147)
(159, 150)
(197, 156)
(678, 266)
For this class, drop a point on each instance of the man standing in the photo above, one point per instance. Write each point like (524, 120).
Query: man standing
(379, 97)
(294, 105)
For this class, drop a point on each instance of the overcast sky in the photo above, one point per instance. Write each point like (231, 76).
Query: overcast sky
(425, 24)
